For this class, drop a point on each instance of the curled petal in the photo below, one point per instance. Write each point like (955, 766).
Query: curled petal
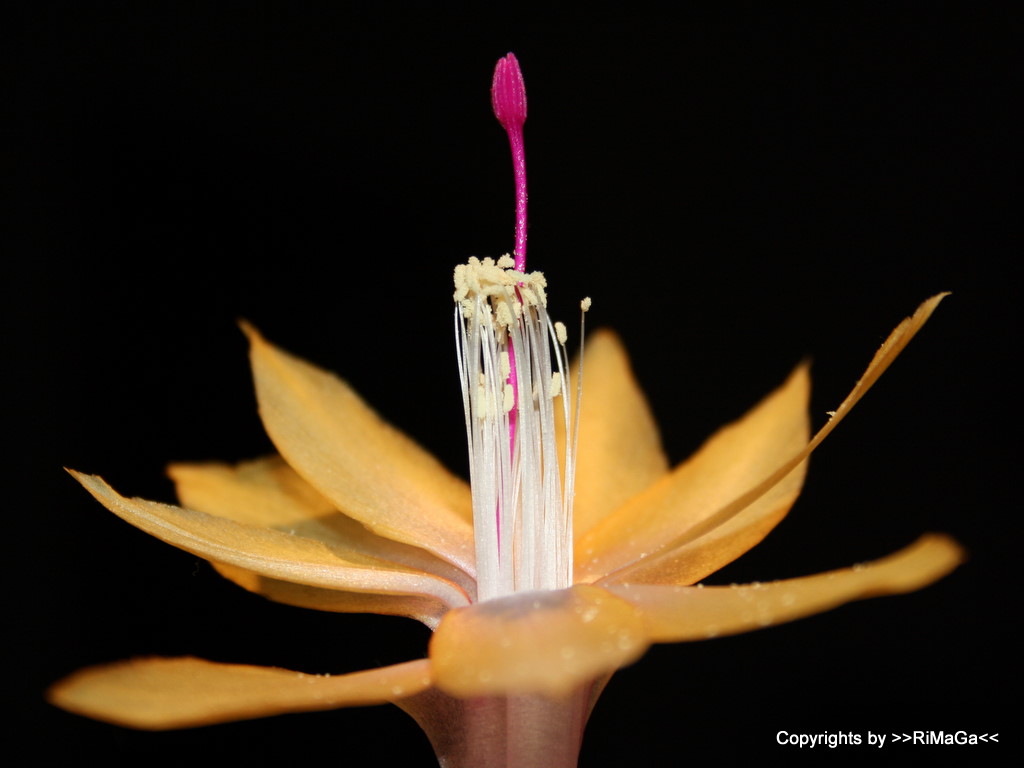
(160, 694)
(268, 493)
(268, 552)
(535, 642)
(369, 470)
(424, 609)
(733, 460)
(665, 564)
(619, 452)
(675, 614)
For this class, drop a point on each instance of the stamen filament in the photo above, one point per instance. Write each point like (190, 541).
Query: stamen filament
(502, 312)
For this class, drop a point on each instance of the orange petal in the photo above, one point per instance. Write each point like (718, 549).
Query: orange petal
(675, 614)
(425, 609)
(732, 461)
(535, 642)
(690, 562)
(619, 452)
(269, 494)
(756, 510)
(268, 552)
(160, 694)
(369, 470)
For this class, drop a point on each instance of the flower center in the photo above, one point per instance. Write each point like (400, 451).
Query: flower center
(521, 479)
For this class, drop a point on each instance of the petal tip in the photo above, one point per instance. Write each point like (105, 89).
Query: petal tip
(946, 551)
(250, 331)
(92, 483)
(928, 306)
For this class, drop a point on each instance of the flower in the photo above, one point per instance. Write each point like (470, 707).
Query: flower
(573, 549)
(404, 545)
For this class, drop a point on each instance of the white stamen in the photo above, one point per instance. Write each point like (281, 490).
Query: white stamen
(522, 492)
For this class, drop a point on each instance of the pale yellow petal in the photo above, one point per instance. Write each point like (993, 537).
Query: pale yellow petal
(265, 492)
(425, 609)
(690, 562)
(369, 470)
(752, 512)
(268, 552)
(619, 452)
(733, 460)
(160, 694)
(268, 493)
(535, 642)
(675, 614)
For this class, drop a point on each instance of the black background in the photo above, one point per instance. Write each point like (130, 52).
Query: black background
(734, 191)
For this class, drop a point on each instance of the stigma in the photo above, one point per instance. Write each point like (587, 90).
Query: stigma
(519, 427)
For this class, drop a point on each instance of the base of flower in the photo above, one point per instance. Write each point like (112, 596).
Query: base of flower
(521, 731)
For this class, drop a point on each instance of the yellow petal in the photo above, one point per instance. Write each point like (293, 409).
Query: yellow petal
(708, 552)
(889, 351)
(619, 452)
(752, 513)
(535, 642)
(425, 609)
(733, 460)
(269, 494)
(264, 492)
(160, 694)
(267, 552)
(675, 614)
(369, 470)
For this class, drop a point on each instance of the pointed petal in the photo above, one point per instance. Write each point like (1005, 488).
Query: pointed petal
(619, 452)
(535, 642)
(424, 609)
(732, 461)
(675, 614)
(711, 551)
(369, 470)
(757, 509)
(267, 552)
(160, 694)
(269, 494)
(895, 343)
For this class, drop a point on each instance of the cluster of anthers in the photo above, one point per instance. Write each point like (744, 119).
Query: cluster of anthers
(512, 365)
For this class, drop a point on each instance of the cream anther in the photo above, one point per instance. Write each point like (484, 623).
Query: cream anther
(495, 290)
(560, 333)
(556, 383)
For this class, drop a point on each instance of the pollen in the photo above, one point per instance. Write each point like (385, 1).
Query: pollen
(495, 292)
